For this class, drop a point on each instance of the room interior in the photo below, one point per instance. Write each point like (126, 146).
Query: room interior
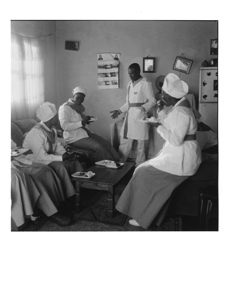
(133, 40)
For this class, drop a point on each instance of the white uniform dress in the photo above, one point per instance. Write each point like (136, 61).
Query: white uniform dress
(178, 157)
(154, 181)
(37, 141)
(139, 94)
(71, 123)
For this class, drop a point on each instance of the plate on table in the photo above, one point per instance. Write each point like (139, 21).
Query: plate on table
(18, 151)
(82, 174)
(109, 163)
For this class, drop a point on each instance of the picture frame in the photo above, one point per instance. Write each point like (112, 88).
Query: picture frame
(182, 64)
(214, 46)
(72, 45)
(149, 64)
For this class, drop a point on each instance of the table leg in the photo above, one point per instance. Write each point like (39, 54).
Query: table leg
(77, 198)
(111, 201)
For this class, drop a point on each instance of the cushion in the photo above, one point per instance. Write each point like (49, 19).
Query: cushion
(25, 125)
(206, 137)
(16, 134)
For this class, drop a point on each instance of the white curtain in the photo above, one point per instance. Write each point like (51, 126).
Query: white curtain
(27, 76)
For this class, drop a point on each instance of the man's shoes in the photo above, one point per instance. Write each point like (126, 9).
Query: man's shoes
(60, 220)
(134, 223)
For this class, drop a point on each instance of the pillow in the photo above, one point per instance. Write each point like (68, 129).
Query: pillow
(25, 125)
(16, 134)
(206, 139)
(211, 139)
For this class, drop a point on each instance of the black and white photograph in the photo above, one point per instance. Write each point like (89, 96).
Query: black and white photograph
(115, 178)
(69, 114)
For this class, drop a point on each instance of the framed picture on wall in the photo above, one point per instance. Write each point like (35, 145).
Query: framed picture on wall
(214, 46)
(149, 64)
(182, 64)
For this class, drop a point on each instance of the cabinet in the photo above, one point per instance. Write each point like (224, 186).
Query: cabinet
(208, 96)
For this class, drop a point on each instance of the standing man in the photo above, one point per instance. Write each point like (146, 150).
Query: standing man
(140, 98)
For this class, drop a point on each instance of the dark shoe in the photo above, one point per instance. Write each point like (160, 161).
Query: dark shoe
(60, 220)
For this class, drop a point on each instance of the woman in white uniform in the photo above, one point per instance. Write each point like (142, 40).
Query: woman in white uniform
(74, 123)
(154, 181)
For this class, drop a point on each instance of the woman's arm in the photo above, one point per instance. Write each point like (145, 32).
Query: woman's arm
(59, 150)
(36, 142)
(65, 113)
(179, 125)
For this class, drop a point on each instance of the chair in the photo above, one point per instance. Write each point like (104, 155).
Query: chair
(208, 206)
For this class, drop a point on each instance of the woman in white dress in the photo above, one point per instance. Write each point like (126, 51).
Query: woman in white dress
(154, 181)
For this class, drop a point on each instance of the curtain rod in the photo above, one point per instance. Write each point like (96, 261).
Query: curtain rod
(30, 36)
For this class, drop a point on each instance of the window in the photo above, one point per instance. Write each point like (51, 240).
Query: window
(27, 76)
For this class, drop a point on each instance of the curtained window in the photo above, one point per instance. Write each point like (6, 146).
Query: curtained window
(27, 76)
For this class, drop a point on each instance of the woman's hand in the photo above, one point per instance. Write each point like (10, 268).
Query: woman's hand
(160, 105)
(85, 120)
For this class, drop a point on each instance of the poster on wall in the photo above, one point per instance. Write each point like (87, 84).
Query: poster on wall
(108, 70)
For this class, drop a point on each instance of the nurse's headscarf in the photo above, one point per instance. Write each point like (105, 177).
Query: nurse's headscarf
(46, 111)
(175, 87)
(78, 90)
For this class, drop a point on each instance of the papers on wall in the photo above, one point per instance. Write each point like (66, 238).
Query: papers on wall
(108, 70)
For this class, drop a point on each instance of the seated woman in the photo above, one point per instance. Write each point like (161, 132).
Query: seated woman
(43, 142)
(31, 194)
(73, 122)
(154, 181)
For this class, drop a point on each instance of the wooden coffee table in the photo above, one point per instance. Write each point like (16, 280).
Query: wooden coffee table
(107, 179)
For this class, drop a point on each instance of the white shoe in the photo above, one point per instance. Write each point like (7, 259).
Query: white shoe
(134, 223)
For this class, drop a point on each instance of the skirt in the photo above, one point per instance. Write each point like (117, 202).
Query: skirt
(24, 196)
(48, 184)
(146, 193)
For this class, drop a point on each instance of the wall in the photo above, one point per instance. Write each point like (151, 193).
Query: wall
(134, 40)
(47, 31)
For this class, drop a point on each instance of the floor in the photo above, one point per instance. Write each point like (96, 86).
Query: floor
(187, 223)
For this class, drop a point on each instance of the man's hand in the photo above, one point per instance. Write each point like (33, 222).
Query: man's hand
(85, 120)
(115, 113)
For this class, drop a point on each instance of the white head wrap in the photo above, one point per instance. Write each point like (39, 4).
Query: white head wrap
(175, 87)
(46, 111)
(78, 90)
